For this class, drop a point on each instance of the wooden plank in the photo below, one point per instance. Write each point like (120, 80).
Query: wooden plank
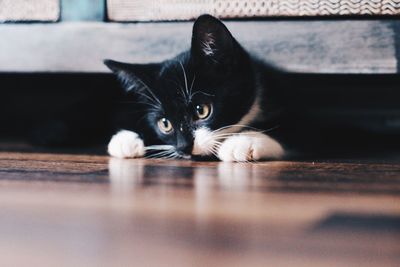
(366, 46)
(29, 10)
(79, 210)
(156, 10)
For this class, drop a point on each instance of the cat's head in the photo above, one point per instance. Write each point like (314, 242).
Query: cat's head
(198, 98)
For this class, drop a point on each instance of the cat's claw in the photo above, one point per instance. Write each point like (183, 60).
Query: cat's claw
(250, 146)
(126, 144)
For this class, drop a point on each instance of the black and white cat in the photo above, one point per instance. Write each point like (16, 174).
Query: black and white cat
(213, 100)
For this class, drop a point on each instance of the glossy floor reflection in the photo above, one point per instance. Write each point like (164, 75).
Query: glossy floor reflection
(78, 210)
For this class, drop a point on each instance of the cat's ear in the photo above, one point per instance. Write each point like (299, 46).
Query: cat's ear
(212, 43)
(132, 76)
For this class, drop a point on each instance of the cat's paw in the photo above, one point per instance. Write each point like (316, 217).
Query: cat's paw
(126, 144)
(250, 146)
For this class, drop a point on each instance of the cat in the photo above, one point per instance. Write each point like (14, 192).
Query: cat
(214, 100)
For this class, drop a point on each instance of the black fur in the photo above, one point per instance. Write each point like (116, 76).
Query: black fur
(216, 70)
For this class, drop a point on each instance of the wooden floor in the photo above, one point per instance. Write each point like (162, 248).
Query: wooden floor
(86, 210)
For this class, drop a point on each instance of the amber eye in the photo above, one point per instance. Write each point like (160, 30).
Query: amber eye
(165, 125)
(203, 111)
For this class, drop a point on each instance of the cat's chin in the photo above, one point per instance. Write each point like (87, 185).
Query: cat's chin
(185, 156)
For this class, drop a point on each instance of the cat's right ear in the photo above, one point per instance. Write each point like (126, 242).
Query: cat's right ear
(212, 42)
(132, 76)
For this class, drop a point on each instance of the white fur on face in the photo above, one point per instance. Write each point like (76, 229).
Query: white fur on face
(126, 144)
(204, 142)
(250, 146)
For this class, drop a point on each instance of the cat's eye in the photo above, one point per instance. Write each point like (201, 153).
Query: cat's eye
(203, 111)
(165, 125)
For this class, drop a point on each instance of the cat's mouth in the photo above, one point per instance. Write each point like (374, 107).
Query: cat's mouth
(195, 157)
(185, 156)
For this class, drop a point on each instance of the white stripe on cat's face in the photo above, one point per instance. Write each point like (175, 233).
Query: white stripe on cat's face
(204, 142)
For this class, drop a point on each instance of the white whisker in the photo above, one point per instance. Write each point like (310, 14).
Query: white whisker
(201, 92)
(241, 126)
(163, 154)
(159, 147)
(145, 86)
(191, 88)
(186, 82)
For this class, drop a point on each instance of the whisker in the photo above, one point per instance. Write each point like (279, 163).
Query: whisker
(191, 88)
(234, 126)
(222, 135)
(152, 101)
(172, 156)
(145, 86)
(201, 92)
(163, 154)
(214, 151)
(159, 147)
(244, 126)
(181, 89)
(185, 78)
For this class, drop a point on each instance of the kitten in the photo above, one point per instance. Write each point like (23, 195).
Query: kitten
(213, 100)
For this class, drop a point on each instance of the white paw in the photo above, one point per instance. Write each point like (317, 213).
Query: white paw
(126, 144)
(250, 146)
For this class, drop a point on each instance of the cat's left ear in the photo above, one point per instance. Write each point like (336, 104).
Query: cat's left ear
(212, 42)
(132, 76)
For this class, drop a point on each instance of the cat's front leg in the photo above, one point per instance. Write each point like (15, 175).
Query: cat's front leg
(126, 144)
(250, 146)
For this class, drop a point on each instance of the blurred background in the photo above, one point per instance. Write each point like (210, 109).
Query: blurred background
(345, 54)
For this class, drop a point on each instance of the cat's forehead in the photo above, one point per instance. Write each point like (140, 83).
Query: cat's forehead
(175, 81)
(173, 96)
(177, 67)
(179, 86)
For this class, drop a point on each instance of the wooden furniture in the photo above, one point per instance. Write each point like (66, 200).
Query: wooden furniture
(343, 45)
(349, 46)
(29, 10)
(164, 10)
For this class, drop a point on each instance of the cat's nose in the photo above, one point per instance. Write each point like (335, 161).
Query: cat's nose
(186, 149)
(185, 146)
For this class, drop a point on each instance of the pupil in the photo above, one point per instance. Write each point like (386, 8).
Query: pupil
(200, 109)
